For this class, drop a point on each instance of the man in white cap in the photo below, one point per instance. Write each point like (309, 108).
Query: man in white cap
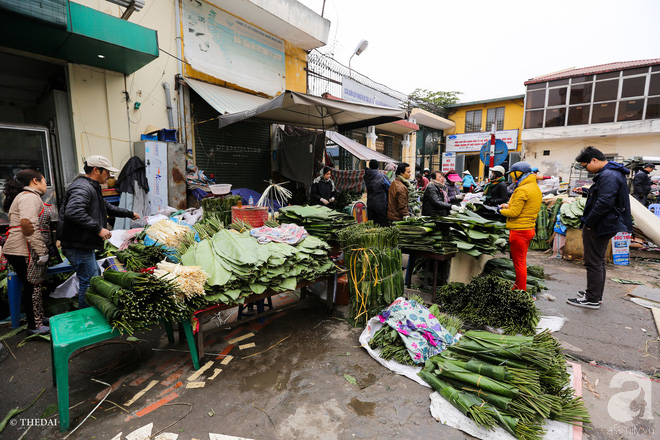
(495, 190)
(83, 219)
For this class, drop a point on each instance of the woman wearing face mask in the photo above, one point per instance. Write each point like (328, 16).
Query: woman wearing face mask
(521, 213)
(26, 249)
(436, 199)
(496, 190)
(323, 190)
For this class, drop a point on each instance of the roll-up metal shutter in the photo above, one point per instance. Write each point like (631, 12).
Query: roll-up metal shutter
(238, 154)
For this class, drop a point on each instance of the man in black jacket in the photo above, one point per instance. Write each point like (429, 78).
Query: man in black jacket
(436, 199)
(83, 218)
(642, 183)
(377, 187)
(607, 211)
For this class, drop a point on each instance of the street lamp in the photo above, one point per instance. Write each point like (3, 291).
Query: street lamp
(358, 50)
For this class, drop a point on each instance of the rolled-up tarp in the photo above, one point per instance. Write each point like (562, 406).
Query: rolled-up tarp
(645, 221)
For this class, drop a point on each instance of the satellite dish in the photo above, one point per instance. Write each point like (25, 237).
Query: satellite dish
(431, 143)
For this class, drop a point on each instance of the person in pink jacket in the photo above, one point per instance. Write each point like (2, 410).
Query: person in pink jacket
(25, 248)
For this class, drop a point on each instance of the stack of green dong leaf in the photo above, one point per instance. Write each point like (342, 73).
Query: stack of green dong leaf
(426, 234)
(514, 381)
(238, 266)
(131, 301)
(540, 240)
(139, 256)
(220, 207)
(571, 213)
(373, 260)
(475, 235)
(319, 221)
(503, 268)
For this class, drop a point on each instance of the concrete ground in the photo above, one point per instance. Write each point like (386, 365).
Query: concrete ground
(307, 378)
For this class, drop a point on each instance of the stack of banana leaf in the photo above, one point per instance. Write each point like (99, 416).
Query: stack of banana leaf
(373, 260)
(475, 235)
(392, 346)
(490, 301)
(238, 266)
(220, 207)
(571, 213)
(132, 301)
(426, 234)
(540, 240)
(513, 381)
(503, 268)
(319, 221)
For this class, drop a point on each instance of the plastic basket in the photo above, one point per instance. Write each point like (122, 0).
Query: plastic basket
(255, 216)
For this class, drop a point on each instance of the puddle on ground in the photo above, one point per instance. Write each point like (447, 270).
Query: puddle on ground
(275, 377)
(362, 408)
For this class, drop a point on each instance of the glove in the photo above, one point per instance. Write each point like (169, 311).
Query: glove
(459, 196)
(455, 208)
(42, 260)
(332, 199)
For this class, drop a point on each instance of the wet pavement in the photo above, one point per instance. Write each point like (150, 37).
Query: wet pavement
(307, 378)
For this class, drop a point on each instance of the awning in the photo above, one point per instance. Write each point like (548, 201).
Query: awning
(428, 119)
(357, 149)
(225, 100)
(399, 127)
(80, 35)
(302, 110)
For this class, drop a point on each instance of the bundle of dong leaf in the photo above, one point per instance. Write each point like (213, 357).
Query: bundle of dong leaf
(138, 256)
(503, 268)
(540, 240)
(571, 213)
(392, 346)
(373, 260)
(513, 381)
(131, 301)
(426, 234)
(319, 221)
(219, 208)
(490, 301)
(475, 235)
(238, 266)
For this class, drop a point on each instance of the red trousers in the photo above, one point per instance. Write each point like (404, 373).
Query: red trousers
(519, 240)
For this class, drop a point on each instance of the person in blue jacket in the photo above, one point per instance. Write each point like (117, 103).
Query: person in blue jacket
(377, 187)
(468, 182)
(607, 211)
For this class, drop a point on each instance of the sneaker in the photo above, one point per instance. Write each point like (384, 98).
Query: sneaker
(583, 295)
(43, 330)
(577, 302)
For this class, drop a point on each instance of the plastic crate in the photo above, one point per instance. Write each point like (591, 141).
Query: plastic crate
(167, 135)
(255, 216)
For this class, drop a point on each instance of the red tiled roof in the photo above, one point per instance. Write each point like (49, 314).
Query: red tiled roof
(601, 68)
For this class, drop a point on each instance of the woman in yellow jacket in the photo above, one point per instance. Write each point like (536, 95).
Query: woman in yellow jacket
(521, 213)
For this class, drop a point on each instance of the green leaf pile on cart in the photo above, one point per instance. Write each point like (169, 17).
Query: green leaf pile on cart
(138, 256)
(490, 301)
(319, 221)
(503, 268)
(513, 381)
(238, 266)
(475, 235)
(571, 213)
(545, 224)
(132, 301)
(426, 234)
(373, 261)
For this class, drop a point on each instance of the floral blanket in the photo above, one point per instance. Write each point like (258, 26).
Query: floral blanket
(421, 332)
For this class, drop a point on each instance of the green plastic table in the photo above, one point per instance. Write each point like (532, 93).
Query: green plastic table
(80, 328)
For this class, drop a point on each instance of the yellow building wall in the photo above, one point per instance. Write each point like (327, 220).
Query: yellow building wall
(514, 110)
(105, 120)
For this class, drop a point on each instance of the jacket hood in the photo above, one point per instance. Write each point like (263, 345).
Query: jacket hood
(615, 166)
(370, 174)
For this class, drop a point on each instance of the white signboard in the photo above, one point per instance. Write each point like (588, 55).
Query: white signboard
(221, 45)
(474, 141)
(356, 92)
(448, 162)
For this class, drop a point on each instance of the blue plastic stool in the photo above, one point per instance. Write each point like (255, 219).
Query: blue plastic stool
(15, 286)
(655, 209)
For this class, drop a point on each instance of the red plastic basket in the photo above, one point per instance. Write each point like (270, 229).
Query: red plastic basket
(256, 216)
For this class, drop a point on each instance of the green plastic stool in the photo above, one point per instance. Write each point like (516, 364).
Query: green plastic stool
(69, 332)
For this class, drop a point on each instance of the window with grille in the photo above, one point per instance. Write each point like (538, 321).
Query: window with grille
(495, 116)
(389, 147)
(472, 121)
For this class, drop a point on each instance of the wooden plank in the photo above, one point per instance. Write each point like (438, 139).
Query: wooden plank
(646, 292)
(656, 317)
